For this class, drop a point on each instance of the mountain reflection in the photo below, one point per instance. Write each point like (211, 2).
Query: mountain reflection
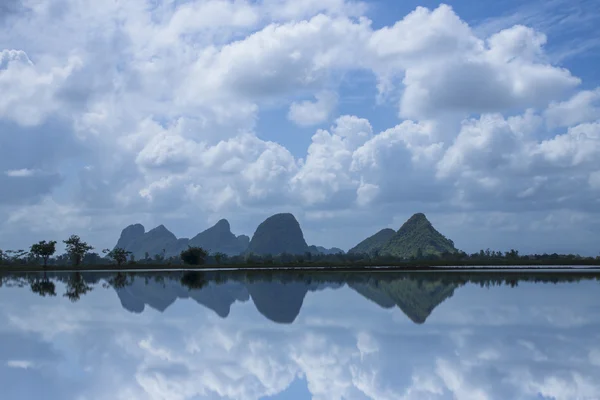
(257, 335)
(277, 296)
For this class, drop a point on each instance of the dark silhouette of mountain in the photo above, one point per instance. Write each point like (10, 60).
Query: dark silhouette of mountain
(417, 237)
(243, 241)
(219, 238)
(416, 299)
(278, 234)
(161, 241)
(152, 242)
(373, 243)
(130, 234)
(316, 250)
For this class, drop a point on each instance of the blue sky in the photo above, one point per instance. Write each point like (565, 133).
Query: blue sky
(351, 115)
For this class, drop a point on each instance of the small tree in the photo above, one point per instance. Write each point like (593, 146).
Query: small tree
(76, 248)
(118, 255)
(193, 255)
(219, 257)
(44, 249)
(15, 256)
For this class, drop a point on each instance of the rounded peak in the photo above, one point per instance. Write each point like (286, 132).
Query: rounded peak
(134, 229)
(223, 224)
(418, 216)
(282, 216)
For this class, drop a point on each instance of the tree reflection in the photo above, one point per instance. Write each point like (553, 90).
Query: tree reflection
(76, 287)
(44, 287)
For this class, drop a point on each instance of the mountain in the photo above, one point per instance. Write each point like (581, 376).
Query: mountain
(278, 234)
(130, 235)
(316, 250)
(373, 243)
(219, 238)
(153, 242)
(415, 236)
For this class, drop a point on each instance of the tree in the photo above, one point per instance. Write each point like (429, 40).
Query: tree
(76, 248)
(44, 249)
(194, 255)
(118, 255)
(14, 256)
(219, 257)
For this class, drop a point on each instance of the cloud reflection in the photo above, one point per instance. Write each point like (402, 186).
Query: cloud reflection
(532, 341)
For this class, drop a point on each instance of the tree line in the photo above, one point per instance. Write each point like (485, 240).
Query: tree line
(79, 253)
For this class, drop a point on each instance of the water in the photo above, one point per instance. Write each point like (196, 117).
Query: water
(324, 336)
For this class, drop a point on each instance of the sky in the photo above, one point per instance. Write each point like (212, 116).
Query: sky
(532, 342)
(351, 115)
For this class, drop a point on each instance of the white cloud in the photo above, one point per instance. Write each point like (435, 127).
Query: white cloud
(582, 107)
(20, 173)
(29, 91)
(164, 103)
(22, 364)
(308, 113)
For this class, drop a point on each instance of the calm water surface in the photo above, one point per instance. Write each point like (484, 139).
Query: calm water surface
(299, 336)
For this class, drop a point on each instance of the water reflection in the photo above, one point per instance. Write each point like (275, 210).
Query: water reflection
(324, 336)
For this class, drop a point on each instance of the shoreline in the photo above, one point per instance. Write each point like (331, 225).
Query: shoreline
(309, 268)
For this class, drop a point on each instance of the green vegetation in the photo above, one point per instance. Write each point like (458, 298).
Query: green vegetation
(194, 256)
(118, 255)
(76, 248)
(43, 249)
(373, 244)
(417, 238)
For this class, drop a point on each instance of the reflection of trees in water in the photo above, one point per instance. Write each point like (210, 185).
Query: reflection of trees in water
(44, 287)
(76, 287)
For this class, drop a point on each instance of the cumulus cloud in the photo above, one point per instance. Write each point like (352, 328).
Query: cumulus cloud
(582, 107)
(30, 91)
(156, 110)
(308, 113)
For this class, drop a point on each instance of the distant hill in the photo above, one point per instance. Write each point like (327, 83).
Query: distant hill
(373, 243)
(280, 233)
(219, 238)
(138, 242)
(316, 250)
(417, 237)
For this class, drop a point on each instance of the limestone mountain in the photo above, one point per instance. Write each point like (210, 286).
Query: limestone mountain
(219, 238)
(130, 235)
(316, 250)
(280, 233)
(373, 243)
(160, 240)
(417, 237)
(138, 242)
